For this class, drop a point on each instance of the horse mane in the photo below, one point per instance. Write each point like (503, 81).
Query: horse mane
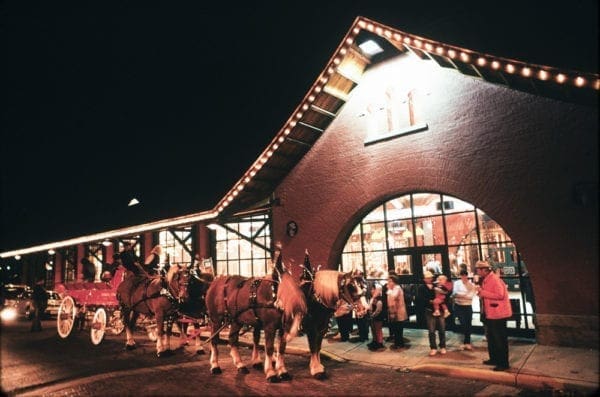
(326, 286)
(290, 297)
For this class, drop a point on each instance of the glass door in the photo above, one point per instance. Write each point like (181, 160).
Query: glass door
(410, 264)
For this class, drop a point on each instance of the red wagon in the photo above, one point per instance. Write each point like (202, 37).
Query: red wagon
(90, 305)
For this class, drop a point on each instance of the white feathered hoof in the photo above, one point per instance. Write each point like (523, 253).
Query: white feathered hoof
(285, 377)
(320, 376)
(243, 370)
(216, 371)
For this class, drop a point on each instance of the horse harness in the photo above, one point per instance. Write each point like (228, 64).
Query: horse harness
(167, 292)
(343, 294)
(252, 298)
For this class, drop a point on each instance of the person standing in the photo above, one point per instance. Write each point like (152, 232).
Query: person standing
(396, 311)
(426, 295)
(39, 299)
(464, 292)
(496, 308)
(377, 316)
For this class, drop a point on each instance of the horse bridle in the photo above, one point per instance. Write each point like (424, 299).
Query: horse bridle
(183, 283)
(345, 293)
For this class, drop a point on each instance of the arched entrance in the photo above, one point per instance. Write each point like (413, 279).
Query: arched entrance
(437, 232)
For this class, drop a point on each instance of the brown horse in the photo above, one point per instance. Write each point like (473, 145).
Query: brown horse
(322, 295)
(274, 304)
(148, 295)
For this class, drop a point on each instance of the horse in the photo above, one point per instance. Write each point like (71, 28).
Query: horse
(148, 296)
(274, 304)
(193, 311)
(323, 289)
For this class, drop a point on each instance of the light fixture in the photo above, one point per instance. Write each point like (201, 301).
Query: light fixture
(18, 257)
(370, 48)
(214, 226)
(48, 266)
(133, 202)
(107, 243)
(51, 252)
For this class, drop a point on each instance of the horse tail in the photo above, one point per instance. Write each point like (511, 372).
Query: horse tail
(293, 303)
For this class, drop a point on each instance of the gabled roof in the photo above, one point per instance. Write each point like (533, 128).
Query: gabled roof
(343, 72)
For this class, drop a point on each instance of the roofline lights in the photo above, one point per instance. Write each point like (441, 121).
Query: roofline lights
(467, 56)
(112, 234)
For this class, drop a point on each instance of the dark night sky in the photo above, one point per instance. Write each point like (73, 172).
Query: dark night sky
(171, 102)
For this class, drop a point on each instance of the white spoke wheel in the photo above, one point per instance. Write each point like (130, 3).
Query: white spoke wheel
(98, 327)
(65, 319)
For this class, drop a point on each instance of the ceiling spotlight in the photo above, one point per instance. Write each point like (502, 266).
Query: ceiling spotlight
(106, 243)
(133, 202)
(370, 48)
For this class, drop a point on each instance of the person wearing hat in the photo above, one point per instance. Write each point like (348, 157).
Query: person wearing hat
(496, 309)
(426, 295)
(464, 292)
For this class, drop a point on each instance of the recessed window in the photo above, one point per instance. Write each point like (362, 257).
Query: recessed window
(393, 113)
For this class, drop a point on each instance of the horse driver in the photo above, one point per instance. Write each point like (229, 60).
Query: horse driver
(130, 262)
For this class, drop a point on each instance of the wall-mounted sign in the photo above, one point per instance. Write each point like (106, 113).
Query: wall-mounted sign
(291, 228)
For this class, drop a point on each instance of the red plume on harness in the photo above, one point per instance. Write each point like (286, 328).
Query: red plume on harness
(307, 270)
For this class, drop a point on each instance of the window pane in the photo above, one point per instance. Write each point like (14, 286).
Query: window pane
(459, 227)
(374, 236)
(398, 208)
(426, 204)
(490, 230)
(352, 261)
(403, 264)
(245, 229)
(430, 231)
(246, 268)
(233, 267)
(245, 249)
(259, 267)
(376, 264)
(375, 215)
(353, 244)
(221, 233)
(221, 268)
(452, 204)
(232, 249)
(400, 234)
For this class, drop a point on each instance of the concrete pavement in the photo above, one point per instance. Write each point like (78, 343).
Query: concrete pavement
(531, 365)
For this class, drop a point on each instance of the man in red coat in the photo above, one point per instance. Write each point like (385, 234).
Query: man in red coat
(496, 309)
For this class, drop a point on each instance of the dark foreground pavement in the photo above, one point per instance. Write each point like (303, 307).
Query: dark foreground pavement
(43, 364)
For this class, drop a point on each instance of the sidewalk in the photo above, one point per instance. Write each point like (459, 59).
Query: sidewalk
(532, 366)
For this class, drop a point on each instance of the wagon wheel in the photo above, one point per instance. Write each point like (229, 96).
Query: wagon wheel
(98, 327)
(65, 320)
(115, 322)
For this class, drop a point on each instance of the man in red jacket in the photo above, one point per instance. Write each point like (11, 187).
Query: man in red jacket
(496, 309)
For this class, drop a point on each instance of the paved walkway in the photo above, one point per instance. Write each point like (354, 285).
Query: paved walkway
(531, 365)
